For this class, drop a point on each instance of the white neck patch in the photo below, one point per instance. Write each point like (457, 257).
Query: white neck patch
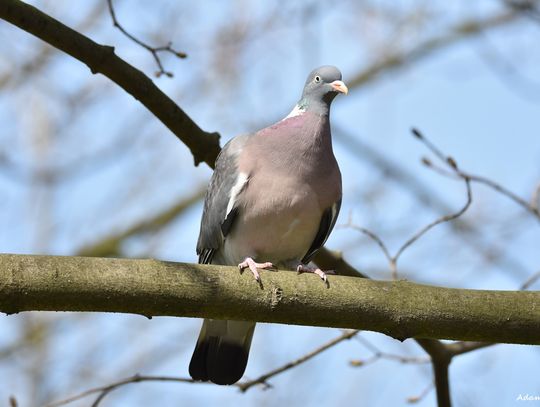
(297, 111)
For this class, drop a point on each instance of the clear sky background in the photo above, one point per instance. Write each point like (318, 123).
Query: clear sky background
(81, 160)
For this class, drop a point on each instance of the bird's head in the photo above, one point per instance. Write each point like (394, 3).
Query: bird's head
(322, 86)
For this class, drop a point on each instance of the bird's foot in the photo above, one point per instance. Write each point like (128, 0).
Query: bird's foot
(302, 268)
(253, 266)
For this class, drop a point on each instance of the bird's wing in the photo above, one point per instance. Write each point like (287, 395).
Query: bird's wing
(328, 220)
(222, 349)
(219, 211)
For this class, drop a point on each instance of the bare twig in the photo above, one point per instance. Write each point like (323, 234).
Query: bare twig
(102, 59)
(449, 161)
(472, 177)
(499, 188)
(471, 234)
(530, 281)
(432, 347)
(153, 50)
(372, 236)
(102, 391)
(434, 149)
(438, 221)
(422, 395)
(535, 200)
(263, 378)
(379, 354)
(452, 164)
(486, 181)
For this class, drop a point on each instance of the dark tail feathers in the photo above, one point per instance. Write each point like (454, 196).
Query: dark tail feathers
(222, 358)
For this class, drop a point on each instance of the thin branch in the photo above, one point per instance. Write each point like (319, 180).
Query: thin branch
(439, 353)
(102, 59)
(153, 50)
(530, 281)
(263, 378)
(422, 395)
(499, 188)
(535, 200)
(391, 169)
(379, 354)
(431, 346)
(442, 219)
(440, 360)
(372, 236)
(105, 390)
(393, 259)
(471, 177)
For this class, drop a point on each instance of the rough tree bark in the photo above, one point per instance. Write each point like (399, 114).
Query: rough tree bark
(400, 309)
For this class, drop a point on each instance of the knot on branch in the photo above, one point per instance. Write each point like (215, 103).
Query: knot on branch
(276, 296)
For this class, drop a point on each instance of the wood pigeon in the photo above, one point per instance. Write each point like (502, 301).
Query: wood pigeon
(272, 201)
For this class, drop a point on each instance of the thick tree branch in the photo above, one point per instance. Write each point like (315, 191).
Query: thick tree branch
(102, 59)
(150, 287)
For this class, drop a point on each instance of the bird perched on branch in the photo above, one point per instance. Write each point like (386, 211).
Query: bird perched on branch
(272, 201)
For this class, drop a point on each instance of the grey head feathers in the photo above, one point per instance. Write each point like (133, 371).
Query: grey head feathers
(321, 87)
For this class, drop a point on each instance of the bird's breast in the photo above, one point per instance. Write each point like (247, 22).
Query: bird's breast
(279, 217)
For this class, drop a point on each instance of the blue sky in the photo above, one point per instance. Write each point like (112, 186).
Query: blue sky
(124, 166)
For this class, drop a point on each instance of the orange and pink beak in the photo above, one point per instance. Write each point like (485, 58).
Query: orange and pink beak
(340, 87)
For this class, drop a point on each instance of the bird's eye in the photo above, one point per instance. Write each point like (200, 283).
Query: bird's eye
(317, 79)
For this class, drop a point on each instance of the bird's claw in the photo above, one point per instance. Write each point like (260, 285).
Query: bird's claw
(315, 270)
(253, 266)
